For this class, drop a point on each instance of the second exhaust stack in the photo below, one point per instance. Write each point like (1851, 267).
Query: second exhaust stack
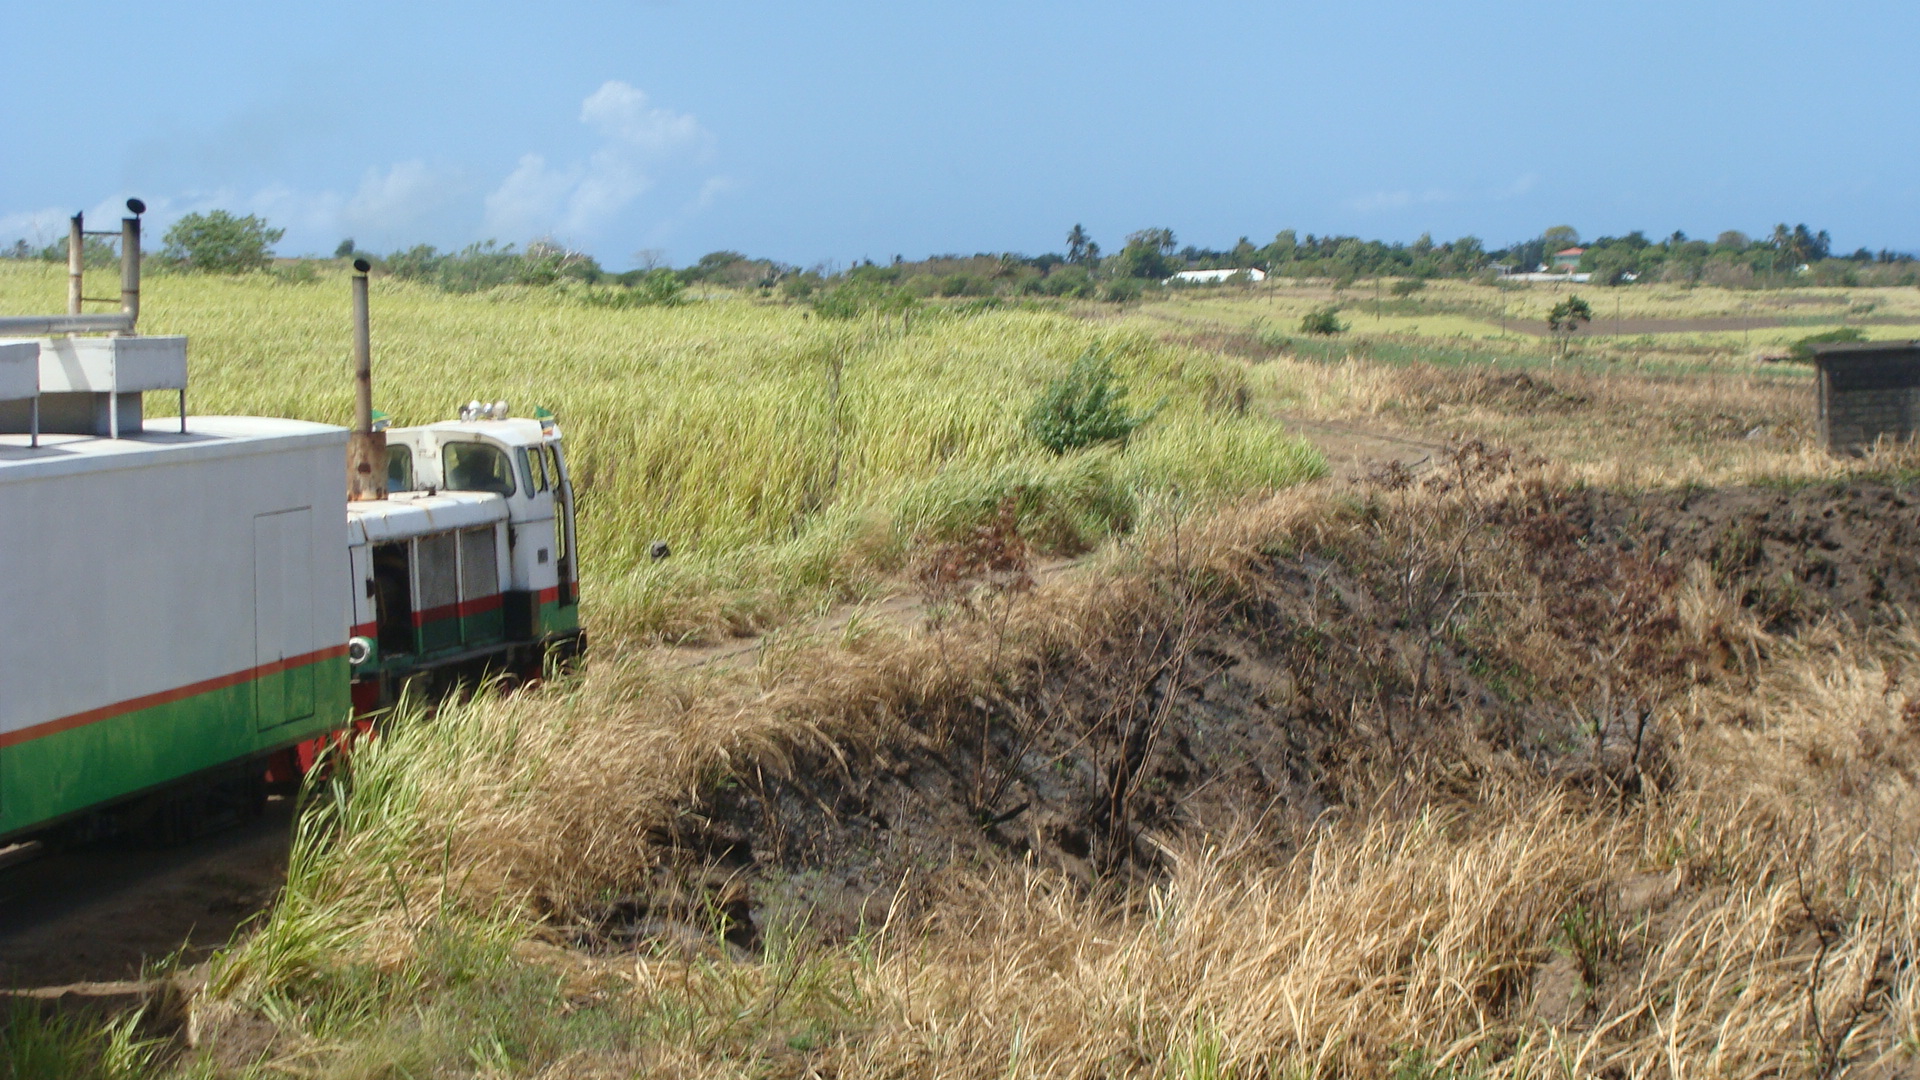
(366, 448)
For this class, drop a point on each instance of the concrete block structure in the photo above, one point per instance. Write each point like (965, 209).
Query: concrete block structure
(1867, 391)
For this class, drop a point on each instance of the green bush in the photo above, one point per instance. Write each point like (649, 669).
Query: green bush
(1803, 349)
(657, 288)
(1085, 407)
(662, 287)
(487, 265)
(1323, 320)
(800, 287)
(217, 242)
(860, 296)
(1073, 282)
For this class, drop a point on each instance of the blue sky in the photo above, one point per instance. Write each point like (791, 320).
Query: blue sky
(844, 130)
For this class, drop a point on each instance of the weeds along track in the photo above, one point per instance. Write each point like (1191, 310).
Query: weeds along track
(1479, 770)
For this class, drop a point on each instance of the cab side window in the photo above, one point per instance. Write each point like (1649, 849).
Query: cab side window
(541, 475)
(472, 466)
(399, 467)
(530, 472)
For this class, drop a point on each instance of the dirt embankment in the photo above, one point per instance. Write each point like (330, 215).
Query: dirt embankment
(1474, 622)
(1847, 550)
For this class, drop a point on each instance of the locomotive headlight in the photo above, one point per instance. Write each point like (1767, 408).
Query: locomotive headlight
(359, 650)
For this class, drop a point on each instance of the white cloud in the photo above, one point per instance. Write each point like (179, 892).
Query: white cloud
(580, 199)
(621, 113)
(637, 145)
(398, 199)
(531, 200)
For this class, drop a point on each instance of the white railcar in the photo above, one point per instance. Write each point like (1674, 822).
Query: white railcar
(177, 602)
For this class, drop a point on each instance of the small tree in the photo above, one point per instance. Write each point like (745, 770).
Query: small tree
(662, 287)
(1085, 407)
(1566, 319)
(216, 242)
(1324, 321)
(1560, 238)
(1148, 255)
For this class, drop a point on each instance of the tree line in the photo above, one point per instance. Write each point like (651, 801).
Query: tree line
(220, 242)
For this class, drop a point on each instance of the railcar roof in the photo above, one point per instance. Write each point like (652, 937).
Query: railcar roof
(515, 431)
(159, 442)
(416, 513)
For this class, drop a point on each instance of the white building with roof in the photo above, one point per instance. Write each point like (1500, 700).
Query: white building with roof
(1215, 277)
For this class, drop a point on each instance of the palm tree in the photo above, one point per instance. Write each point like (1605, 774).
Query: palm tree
(1077, 244)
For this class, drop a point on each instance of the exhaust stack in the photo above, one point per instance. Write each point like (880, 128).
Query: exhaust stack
(74, 321)
(130, 263)
(366, 448)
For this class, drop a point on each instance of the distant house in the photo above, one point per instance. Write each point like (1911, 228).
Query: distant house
(1214, 277)
(1566, 262)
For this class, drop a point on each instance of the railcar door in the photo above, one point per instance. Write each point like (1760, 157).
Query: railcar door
(282, 617)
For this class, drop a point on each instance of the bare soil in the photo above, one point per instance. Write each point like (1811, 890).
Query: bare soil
(1263, 704)
(1836, 551)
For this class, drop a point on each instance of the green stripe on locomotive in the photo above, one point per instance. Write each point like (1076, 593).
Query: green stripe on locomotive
(457, 632)
(554, 618)
(67, 771)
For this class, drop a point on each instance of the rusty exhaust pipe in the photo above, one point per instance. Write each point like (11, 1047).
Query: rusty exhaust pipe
(130, 264)
(76, 260)
(366, 448)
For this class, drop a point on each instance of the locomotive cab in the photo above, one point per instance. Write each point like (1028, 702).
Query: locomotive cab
(470, 559)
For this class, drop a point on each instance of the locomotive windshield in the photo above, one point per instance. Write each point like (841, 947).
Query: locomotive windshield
(473, 466)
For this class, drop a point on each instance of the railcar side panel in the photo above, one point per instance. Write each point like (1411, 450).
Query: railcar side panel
(175, 604)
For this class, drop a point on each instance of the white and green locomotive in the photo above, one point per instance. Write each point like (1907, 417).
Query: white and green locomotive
(198, 598)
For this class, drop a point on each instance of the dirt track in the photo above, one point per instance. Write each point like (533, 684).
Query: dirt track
(100, 913)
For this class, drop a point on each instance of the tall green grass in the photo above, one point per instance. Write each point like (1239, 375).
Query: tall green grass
(784, 459)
